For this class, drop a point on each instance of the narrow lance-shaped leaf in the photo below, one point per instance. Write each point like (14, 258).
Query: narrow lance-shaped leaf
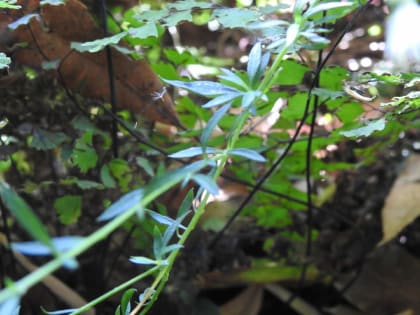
(98, 44)
(233, 78)
(248, 153)
(205, 88)
(125, 203)
(24, 20)
(24, 214)
(164, 219)
(254, 61)
(211, 124)
(222, 99)
(61, 244)
(62, 312)
(125, 301)
(141, 260)
(193, 151)
(207, 182)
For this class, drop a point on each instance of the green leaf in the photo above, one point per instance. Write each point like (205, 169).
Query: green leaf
(84, 156)
(371, 127)
(125, 301)
(189, 5)
(324, 7)
(348, 112)
(107, 178)
(46, 140)
(9, 4)
(69, 208)
(121, 170)
(24, 214)
(4, 61)
(98, 44)
(88, 184)
(145, 165)
(24, 20)
(291, 73)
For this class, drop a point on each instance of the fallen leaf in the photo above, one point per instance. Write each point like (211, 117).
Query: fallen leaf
(402, 204)
(387, 284)
(248, 302)
(49, 39)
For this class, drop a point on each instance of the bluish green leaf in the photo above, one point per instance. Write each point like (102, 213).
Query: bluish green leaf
(205, 88)
(190, 4)
(292, 34)
(24, 20)
(144, 31)
(254, 61)
(46, 140)
(52, 2)
(61, 244)
(193, 151)
(371, 127)
(10, 306)
(212, 123)
(248, 154)
(69, 208)
(4, 61)
(233, 78)
(207, 182)
(62, 312)
(141, 260)
(24, 214)
(125, 203)
(222, 99)
(235, 17)
(170, 248)
(324, 7)
(164, 219)
(98, 44)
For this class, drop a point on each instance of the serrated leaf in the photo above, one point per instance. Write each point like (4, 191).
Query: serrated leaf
(371, 127)
(125, 203)
(46, 140)
(4, 61)
(212, 123)
(205, 88)
(144, 31)
(193, 151)
(98, 44)
(24, 214)
(254, 61)
(69, 208)
(24, 20)
(61, 244)
(248, 154)
(174, 18)
(207, 182)
(84, 156)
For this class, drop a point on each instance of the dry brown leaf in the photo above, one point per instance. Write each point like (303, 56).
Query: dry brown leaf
(402, 204)
(248, 302)
(49, 39)
(387, 284)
